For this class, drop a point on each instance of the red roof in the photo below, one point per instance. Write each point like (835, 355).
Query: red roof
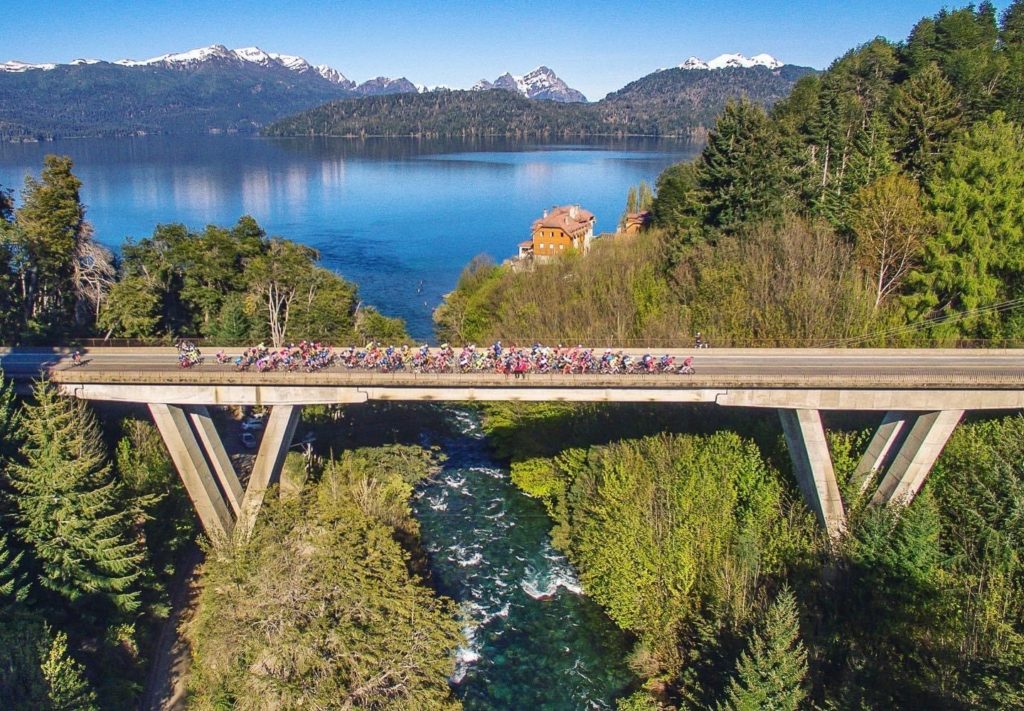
(570, 218)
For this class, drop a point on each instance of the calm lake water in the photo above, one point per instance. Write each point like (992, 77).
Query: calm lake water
(400, 217)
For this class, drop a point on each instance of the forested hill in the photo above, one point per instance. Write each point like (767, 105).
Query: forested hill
(106, 99)
(442, 113)
(673, 102)
(682, 101)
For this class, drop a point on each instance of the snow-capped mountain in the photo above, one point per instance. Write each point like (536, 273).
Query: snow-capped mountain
(202, 55)
(251, 55)
(14, 66)
(386, 85)
(541, 83)
(732, 61)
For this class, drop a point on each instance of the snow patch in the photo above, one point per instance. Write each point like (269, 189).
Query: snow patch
(17, 67)
(732, 61)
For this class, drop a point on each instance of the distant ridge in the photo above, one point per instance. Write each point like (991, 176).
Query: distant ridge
(672, 102)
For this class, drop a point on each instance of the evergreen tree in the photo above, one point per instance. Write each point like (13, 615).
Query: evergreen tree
(233, 324)
(963, 43)
(51, 227)
(679, 203)
(976, 259)
(6, 205)
(740, 171)
(10, 305)
(1011, 85)
(1011, 30)
(13, 585)
(926, 112)
(23, 644)
(67, 687)
(9, 420)
(771, 671)
(69, 509)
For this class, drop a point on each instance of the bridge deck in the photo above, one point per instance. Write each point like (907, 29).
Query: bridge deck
(781, 368)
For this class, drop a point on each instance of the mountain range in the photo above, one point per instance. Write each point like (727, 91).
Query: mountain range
(212, 89)
(672, 102)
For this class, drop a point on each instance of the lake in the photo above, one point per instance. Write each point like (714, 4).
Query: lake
(399, 217)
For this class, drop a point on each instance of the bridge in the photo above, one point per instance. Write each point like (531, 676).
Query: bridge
(920, 395)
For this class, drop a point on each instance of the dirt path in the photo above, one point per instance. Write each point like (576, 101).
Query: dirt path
(168, 677)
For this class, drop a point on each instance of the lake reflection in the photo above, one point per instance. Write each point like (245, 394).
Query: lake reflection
(400, 217)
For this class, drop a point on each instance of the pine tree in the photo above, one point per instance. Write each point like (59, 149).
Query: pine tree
(67, 687)
(976, 259)
(926, 111)
(1011, 85)
(51, 226)
(740, 170)
(13, 586)
(771, 671)
(70, 511)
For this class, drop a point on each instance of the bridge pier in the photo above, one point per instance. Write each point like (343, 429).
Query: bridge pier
(225, 509)
(188, 458)
(277, 437)
(927, 434)
(883, 446)
(904, 447)
(812, 464)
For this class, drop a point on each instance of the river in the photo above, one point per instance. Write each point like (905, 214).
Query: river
(534, 641)
(399, 217)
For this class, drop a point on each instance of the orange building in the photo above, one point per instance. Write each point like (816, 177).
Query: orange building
(561, 228)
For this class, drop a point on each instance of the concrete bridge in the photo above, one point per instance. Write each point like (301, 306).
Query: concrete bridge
(920, 396)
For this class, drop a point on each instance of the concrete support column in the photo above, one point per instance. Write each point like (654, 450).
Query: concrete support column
(812, 464)
(277, 437)
(217, 456)
(910, 467)
(881, 449)
(188, 458)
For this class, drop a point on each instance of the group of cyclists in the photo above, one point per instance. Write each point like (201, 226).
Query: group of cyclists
(310, 356)
(188, 355)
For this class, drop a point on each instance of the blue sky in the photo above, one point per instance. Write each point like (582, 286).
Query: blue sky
(596, 47)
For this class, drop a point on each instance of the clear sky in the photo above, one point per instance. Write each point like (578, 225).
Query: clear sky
(595, 47)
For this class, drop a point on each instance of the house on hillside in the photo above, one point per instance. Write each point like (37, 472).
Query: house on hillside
(559, 229)
(635, 222)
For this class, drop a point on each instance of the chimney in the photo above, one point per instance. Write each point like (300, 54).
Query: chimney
(545, 214)
(573, 211)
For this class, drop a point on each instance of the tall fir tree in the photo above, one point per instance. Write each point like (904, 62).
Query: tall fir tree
(50, 228)
(67, 687)
(771, 671)
(926, 112)
(1011, 84)
(740, 170)
(976, 259)
(69, 510)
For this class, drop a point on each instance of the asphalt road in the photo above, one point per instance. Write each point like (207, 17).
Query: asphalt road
(1005, 366)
